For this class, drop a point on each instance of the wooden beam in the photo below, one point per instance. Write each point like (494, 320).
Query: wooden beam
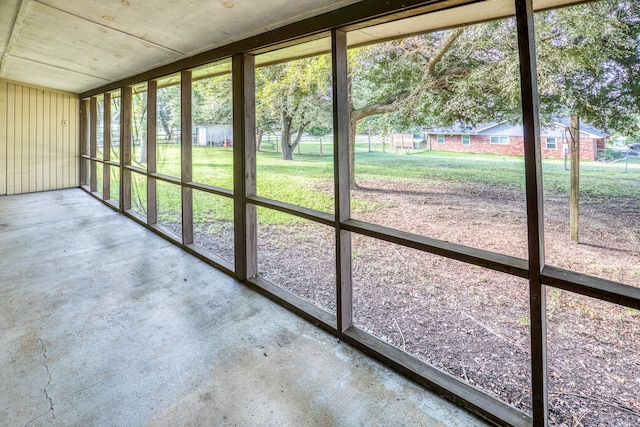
(18, 22)
(210, 189)
(3, 137)
(491, 260)
(535, 222)
(340, 91)
(93, 142)
(152, 110)
(106, 147)
(441, 382)
(574, 198)
(84, 137)
(364, 13)
(295, 210)
(126, 99)
(186, 160)
(594, 287)
(294, 303)
(244, 166)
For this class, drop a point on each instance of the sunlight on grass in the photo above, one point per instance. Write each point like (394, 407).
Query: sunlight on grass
(308, 180)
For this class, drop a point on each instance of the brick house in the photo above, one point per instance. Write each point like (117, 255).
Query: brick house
(507, 139)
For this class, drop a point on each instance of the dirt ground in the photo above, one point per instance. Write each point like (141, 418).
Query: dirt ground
(473, 322)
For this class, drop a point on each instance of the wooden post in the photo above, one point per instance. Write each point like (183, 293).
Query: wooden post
(186, 142)
(152, 159)
(574, 199)
(106, 147)
(93, 141)
(244, 166)
(126, 99)
(84, 137)
(340, 92)
(535, 220)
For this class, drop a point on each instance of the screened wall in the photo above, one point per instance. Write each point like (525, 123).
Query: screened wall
(280, 165)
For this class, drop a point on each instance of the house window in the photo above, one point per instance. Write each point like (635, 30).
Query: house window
(466, 140)
(440, 139)
(551, 143)
(500, 140)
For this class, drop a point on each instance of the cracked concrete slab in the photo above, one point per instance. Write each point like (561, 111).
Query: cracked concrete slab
(105, 324)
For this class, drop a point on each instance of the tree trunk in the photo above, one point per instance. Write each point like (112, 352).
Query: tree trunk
(392, 103)
(354, 117)
(287, 146)
(259, 134)
(287, 150)
(143, 147)
(143, 132)
(165, 124)
(353, 122)
(296, 143)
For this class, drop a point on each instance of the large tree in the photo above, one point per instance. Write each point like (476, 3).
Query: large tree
(168, 110)
(212, 100)
(587, 64)
(297, 95)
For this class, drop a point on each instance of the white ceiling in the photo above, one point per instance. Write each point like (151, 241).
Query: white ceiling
(77, 45)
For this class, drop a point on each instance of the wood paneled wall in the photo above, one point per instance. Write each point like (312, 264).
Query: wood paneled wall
(39, 147)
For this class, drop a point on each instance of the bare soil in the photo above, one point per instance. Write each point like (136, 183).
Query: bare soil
(471, 322)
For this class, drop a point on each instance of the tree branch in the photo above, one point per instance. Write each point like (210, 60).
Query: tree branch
(431, 66)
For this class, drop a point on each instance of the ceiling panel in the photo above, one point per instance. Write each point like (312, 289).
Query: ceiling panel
(189, 26)
(77, 45)
(100, 39)
(62, 40)
(48, 76)
(8, 12)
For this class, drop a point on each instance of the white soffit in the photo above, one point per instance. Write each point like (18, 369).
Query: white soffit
(8, 12)
(448, 18)
(45, 75)
(433, 21)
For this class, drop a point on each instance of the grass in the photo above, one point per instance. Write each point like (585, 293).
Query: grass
(308, 180)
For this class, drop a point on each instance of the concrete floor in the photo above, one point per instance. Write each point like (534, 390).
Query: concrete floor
(104, 323)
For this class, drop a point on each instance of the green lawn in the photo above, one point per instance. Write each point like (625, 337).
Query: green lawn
(307, 181)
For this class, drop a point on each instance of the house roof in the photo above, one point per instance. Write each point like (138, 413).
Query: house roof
(556, 129)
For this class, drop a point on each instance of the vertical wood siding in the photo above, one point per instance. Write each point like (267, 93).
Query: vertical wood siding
(38, 139)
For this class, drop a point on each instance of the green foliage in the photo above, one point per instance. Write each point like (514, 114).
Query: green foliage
(212, 101)
(294, 96)
(168, 111)
(588, 60)
(588, 57)
(139, 119)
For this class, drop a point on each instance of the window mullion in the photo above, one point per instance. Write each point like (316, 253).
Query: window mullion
(535, 224)
(186, 158)
(340, 90)
(93, 142)
(244, 166)
(152, 109)
(106, 145)
(125, 147)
